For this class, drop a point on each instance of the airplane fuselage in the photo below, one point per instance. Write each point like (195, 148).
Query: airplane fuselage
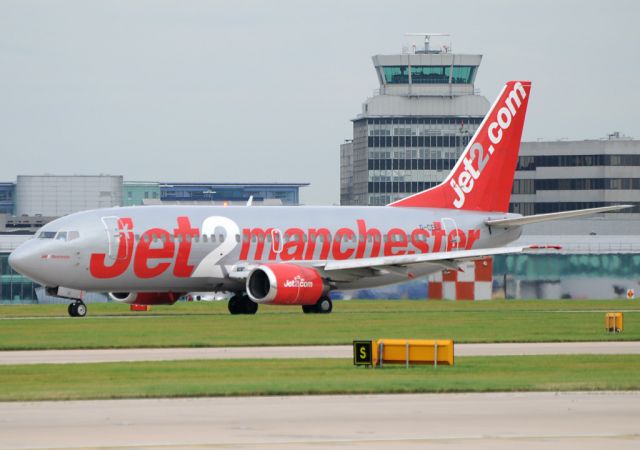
(201, 248)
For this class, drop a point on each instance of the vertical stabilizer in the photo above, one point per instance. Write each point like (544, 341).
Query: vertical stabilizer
(482, 178)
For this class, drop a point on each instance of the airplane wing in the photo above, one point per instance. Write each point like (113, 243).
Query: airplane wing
(447, 259)
(368, 267)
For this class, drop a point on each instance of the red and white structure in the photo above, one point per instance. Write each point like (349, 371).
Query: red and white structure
(471, 282)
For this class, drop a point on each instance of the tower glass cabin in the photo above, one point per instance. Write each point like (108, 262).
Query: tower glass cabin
(411, 132)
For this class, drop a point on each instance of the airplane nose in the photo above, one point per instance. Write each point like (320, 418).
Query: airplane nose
(19, 260)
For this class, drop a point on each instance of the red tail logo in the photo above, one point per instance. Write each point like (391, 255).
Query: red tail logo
(483, 176)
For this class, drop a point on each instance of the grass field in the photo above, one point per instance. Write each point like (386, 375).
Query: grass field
(279, 377)
(209, 324)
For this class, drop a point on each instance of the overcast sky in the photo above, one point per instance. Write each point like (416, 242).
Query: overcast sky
(262, 91)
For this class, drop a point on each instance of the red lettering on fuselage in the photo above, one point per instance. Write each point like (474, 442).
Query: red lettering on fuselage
(158, 249)
(364, 242)
(97, 262)
(185, 234)
(149, 260)
(145, 253)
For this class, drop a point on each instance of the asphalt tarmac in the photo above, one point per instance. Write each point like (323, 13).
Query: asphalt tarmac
(333, 351)
(585, 420)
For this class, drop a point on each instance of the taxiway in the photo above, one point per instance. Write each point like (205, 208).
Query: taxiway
(327, 351)
(586, 420)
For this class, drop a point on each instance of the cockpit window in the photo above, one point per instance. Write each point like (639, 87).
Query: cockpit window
(59, 235)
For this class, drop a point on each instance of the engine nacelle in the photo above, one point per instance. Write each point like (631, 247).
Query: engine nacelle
(285, 284)
(145, 298)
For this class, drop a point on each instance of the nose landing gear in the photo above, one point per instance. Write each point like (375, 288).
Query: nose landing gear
(77, 309)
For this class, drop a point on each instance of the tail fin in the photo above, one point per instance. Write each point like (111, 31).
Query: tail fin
(482, 178)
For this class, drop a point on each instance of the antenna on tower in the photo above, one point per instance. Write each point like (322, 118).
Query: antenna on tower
(427, 40)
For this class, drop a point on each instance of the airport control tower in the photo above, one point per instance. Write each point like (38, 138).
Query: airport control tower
(410, 133)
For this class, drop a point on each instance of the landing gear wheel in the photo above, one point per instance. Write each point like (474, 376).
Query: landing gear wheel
(77, 309)
(81, 309)
(249, 306)
(241, 304)
(234, 305)
(324, 305)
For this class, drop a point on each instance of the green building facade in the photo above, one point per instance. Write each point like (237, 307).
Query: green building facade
(135, 193)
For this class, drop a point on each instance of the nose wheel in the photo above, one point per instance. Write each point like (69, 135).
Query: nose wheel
(77, 309)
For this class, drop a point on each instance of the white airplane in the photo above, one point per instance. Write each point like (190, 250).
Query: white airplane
(293, 255)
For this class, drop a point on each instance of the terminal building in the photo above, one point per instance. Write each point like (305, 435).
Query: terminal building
(55, 196)
(34, 200)
(563, 175)
(148, 193)
(7, 193)
(412, 131)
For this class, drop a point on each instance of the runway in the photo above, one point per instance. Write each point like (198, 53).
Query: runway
(441, 421)
(327, 351)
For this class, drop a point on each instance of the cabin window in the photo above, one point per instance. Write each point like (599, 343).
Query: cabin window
(238, 238)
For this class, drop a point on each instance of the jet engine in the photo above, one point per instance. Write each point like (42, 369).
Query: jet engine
(145, 298)
(286, 284)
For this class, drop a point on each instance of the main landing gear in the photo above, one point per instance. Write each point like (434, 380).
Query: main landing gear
(242, 304)
(77, 309)
(323, 306)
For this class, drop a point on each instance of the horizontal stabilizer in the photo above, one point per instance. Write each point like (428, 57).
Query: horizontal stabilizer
(519, 221)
